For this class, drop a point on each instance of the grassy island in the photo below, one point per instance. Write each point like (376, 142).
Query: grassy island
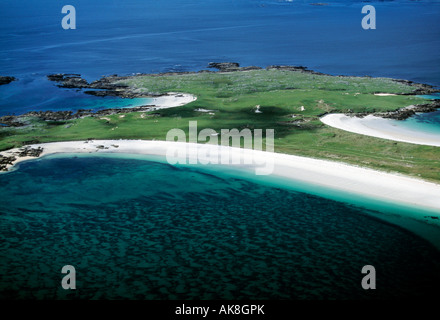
(290, 102)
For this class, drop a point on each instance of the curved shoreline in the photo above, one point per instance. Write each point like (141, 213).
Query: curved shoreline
(380, 128)
(169, 100)
(335, 175)
(399, 194)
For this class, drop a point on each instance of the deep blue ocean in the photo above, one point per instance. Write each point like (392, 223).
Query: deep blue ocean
(137, 36)
(141, 229)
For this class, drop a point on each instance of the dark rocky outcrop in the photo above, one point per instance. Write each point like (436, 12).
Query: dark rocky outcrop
(50, 115)
(230, 66)
(420, 88)
(401, 114)
(224, 66)
(106, 86)
(11, 121)
(109, 112)
(297, 69)
(294, 68)
(28, 151)
(127, 93)
(59, 77)
(405, 113)
(75, 83)
(104, 93)
(6, 80)
(5, 161)
(69, 80)
(60, 116)
(108, 83)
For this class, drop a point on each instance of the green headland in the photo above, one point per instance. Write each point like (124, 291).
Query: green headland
(290, 102)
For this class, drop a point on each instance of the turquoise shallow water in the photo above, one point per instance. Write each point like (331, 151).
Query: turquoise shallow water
(141, 229)
(37, 93)
(424, 122)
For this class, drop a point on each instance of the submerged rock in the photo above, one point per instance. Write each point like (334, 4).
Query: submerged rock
(68, 80)
(6, 80)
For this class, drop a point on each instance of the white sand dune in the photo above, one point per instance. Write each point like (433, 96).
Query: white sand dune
(380, 128)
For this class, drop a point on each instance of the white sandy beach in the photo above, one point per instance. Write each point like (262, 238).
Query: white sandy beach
(385, 94)
(380, 128)
(335, 175)
(172, 100)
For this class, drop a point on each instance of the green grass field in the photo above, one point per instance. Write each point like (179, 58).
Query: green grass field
(233, 97)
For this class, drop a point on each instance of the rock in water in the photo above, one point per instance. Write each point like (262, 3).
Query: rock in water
(6, 80)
